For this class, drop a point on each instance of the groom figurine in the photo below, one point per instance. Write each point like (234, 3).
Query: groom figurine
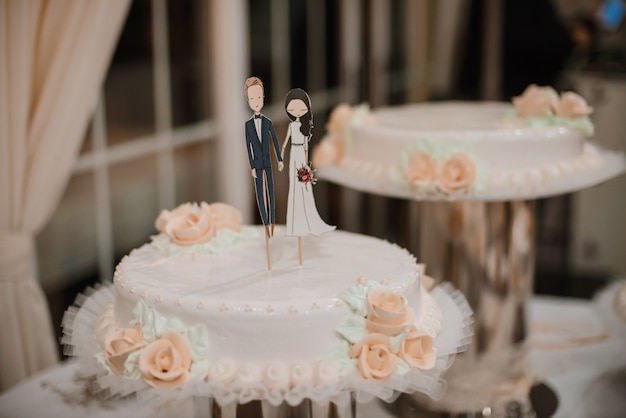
(259, 133)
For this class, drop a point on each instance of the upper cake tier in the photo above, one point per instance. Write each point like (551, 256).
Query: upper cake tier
(463, 151)
(478, 129)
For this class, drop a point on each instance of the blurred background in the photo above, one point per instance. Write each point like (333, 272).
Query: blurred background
(153, 142)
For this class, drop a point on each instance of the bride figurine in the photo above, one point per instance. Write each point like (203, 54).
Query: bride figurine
(302, 216)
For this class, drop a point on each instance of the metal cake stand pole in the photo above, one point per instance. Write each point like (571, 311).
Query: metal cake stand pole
(487, 251)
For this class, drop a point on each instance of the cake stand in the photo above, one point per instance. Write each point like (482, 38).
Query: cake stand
(484, 244)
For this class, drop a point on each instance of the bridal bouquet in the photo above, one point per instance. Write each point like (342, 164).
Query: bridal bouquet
(305, 175)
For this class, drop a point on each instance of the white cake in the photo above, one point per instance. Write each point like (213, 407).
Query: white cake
(204, 316)
(253, 314)
(467, 150)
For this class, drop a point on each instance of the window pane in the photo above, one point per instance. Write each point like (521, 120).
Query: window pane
(128, 86)
(67, 246)
(188, 38)
(260, 35)
(196, 173)
(298, 44)
(134, 202)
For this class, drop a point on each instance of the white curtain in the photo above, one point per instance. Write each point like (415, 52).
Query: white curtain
(53, 58)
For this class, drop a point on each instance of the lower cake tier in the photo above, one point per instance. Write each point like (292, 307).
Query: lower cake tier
(214, 322)
(251, 314)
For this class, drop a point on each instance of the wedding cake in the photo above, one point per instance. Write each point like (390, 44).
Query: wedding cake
(535, 147)
(194, 312)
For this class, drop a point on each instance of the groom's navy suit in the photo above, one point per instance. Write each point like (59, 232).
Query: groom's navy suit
(259, 156)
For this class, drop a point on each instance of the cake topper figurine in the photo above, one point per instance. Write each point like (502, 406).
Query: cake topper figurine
(302, 216)
(259, 133)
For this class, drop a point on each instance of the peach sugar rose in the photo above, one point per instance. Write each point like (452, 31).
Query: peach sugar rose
(420, 170)
(535, 101)
(375, 360)
(226, 216)
(121, 344)
(165, 216)
(195, 224)
(331, 149)
(338, 119)
(387, 312)
(572, 105)
(417, 349)
(165, 362)
(328, 152)
(456, 173)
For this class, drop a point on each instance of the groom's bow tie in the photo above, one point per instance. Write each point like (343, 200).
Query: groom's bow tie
(257, 116)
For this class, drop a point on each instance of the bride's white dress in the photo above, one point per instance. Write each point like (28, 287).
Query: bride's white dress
(302, 215)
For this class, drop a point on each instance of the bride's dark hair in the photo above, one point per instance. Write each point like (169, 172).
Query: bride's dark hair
(306, 120)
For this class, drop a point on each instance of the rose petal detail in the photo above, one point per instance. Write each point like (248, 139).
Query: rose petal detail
(226, 216)
(571, 105)
(420, 170)
(166, 362)
(328, 152)
(456, 173)
(417, 349)
(121, 344)
(535, 101)
(387, 312)
(338, 119)
(195, 224)
(375, 360)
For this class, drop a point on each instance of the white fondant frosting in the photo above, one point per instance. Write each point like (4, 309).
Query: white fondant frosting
(249, 311)
(476, 127)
